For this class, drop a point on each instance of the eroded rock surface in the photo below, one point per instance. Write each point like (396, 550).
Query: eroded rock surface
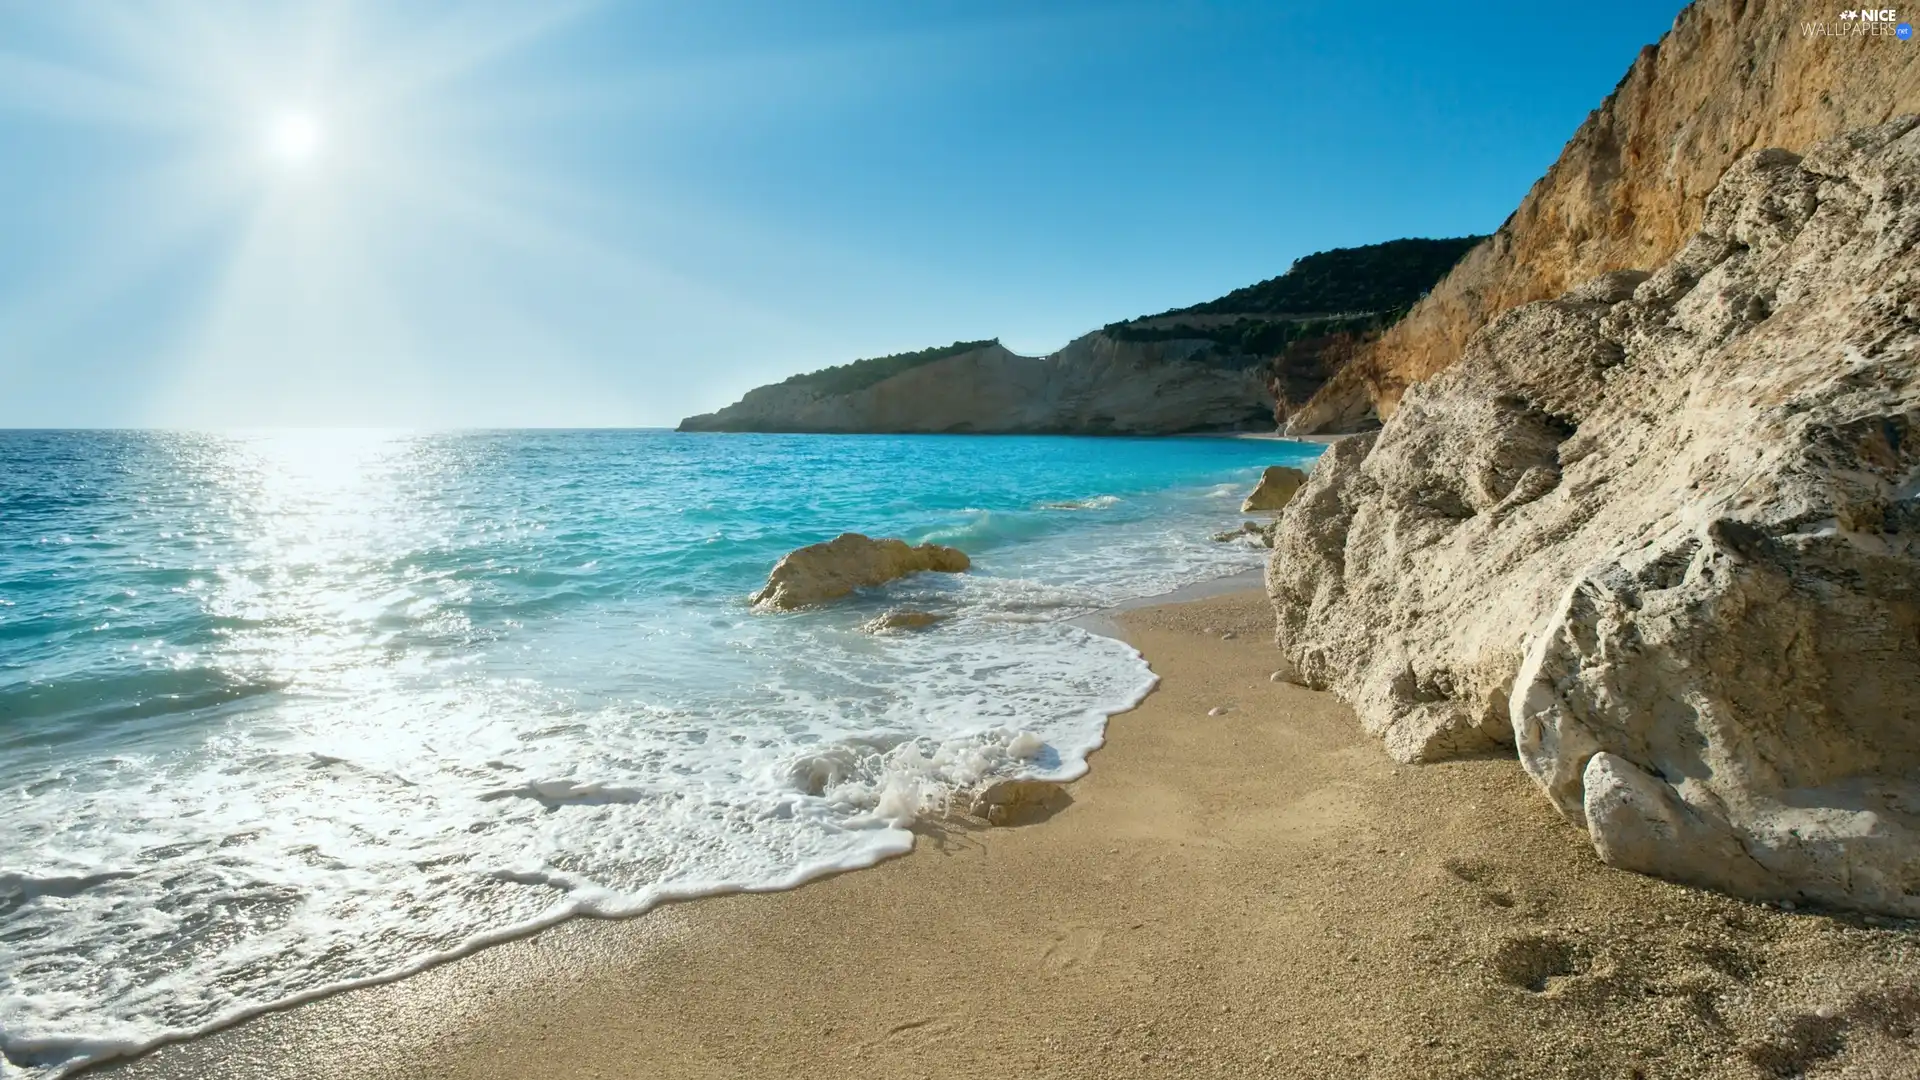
(818, 573)
(1020, 802)
(1630, 187)
(1276, 488)
(1662, 535)
(1246, 529)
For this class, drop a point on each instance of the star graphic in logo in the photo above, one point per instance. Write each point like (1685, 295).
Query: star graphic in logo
(1846, 14)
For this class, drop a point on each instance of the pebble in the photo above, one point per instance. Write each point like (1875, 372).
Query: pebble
(1228, 636)
(1217, 710)
(1278, 676)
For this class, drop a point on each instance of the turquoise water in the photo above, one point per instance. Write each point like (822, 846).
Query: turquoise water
(281, 713)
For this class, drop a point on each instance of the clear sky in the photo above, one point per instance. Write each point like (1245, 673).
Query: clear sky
(619, 213)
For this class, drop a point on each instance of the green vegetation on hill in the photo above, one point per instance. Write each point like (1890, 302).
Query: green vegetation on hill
(1346, 291)
(1251, 339)
(1374, 278)
(860, 374)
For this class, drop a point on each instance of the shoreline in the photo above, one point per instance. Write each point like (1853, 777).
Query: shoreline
(1101, 623)
(1258, 893)
(1275, 436)
(1106, 622)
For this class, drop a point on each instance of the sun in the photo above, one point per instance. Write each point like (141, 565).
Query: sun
(295, 137)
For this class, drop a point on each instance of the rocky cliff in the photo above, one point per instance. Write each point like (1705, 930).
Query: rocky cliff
(1096, 385)
(1662, 536)
(1241, 362)
(1630, 187)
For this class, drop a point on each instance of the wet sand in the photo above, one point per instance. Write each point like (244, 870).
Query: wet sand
(1258, 893)
(1275, 436)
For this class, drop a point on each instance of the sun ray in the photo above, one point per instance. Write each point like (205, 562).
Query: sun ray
(46, 89)
(376, 202)
(462, 44)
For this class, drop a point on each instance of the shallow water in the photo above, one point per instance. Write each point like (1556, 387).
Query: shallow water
(284, 712)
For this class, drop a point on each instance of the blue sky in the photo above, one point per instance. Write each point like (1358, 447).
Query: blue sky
(620, 213)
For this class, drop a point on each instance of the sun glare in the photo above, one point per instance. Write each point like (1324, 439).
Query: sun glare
(294, 138)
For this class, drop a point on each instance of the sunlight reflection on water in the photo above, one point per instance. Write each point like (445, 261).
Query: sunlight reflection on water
(280, 711)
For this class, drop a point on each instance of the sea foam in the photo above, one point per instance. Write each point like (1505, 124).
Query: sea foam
(293, 716)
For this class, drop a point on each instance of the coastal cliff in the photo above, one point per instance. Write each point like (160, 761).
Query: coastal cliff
(1662, 537)
(1631, 185)
(1096, 385)
(1242, 362)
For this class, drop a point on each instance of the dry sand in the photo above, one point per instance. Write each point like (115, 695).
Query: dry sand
(1260, 893)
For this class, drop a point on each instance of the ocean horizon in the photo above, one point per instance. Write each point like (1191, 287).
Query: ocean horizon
(287, 712)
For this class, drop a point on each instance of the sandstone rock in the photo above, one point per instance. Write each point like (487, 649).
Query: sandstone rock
(1663, 535)
(820, 572)
(1247, 528)
(1631, 185)
(1020, 802)
(1276, 488)
(901, 620)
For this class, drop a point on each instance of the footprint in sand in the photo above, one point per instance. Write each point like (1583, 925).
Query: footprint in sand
(920, 1032)
(1075, 948)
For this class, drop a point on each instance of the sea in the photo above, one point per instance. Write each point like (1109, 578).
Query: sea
(288, 712)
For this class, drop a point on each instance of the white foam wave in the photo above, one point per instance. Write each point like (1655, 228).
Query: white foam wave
(620, 809)
(685, 753)
(18, 888)
(552, 793)
(899, 782)
(1097, 502)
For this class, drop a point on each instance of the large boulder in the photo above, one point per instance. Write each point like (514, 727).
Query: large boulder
(1276, 488)
(818, 573)
(1662, 537)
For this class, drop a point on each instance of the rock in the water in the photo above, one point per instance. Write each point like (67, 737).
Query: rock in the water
(1664, 534)
(1247, 528)
(1276, 488)
(900, 620)
(820, 572)
(1020, 802)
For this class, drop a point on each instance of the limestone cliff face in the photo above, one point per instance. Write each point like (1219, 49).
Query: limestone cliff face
(1096, 385)
(1630, 187)
(1662, 536)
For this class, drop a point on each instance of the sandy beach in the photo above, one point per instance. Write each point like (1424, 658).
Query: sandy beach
(1275, 436)
(1256, 893)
